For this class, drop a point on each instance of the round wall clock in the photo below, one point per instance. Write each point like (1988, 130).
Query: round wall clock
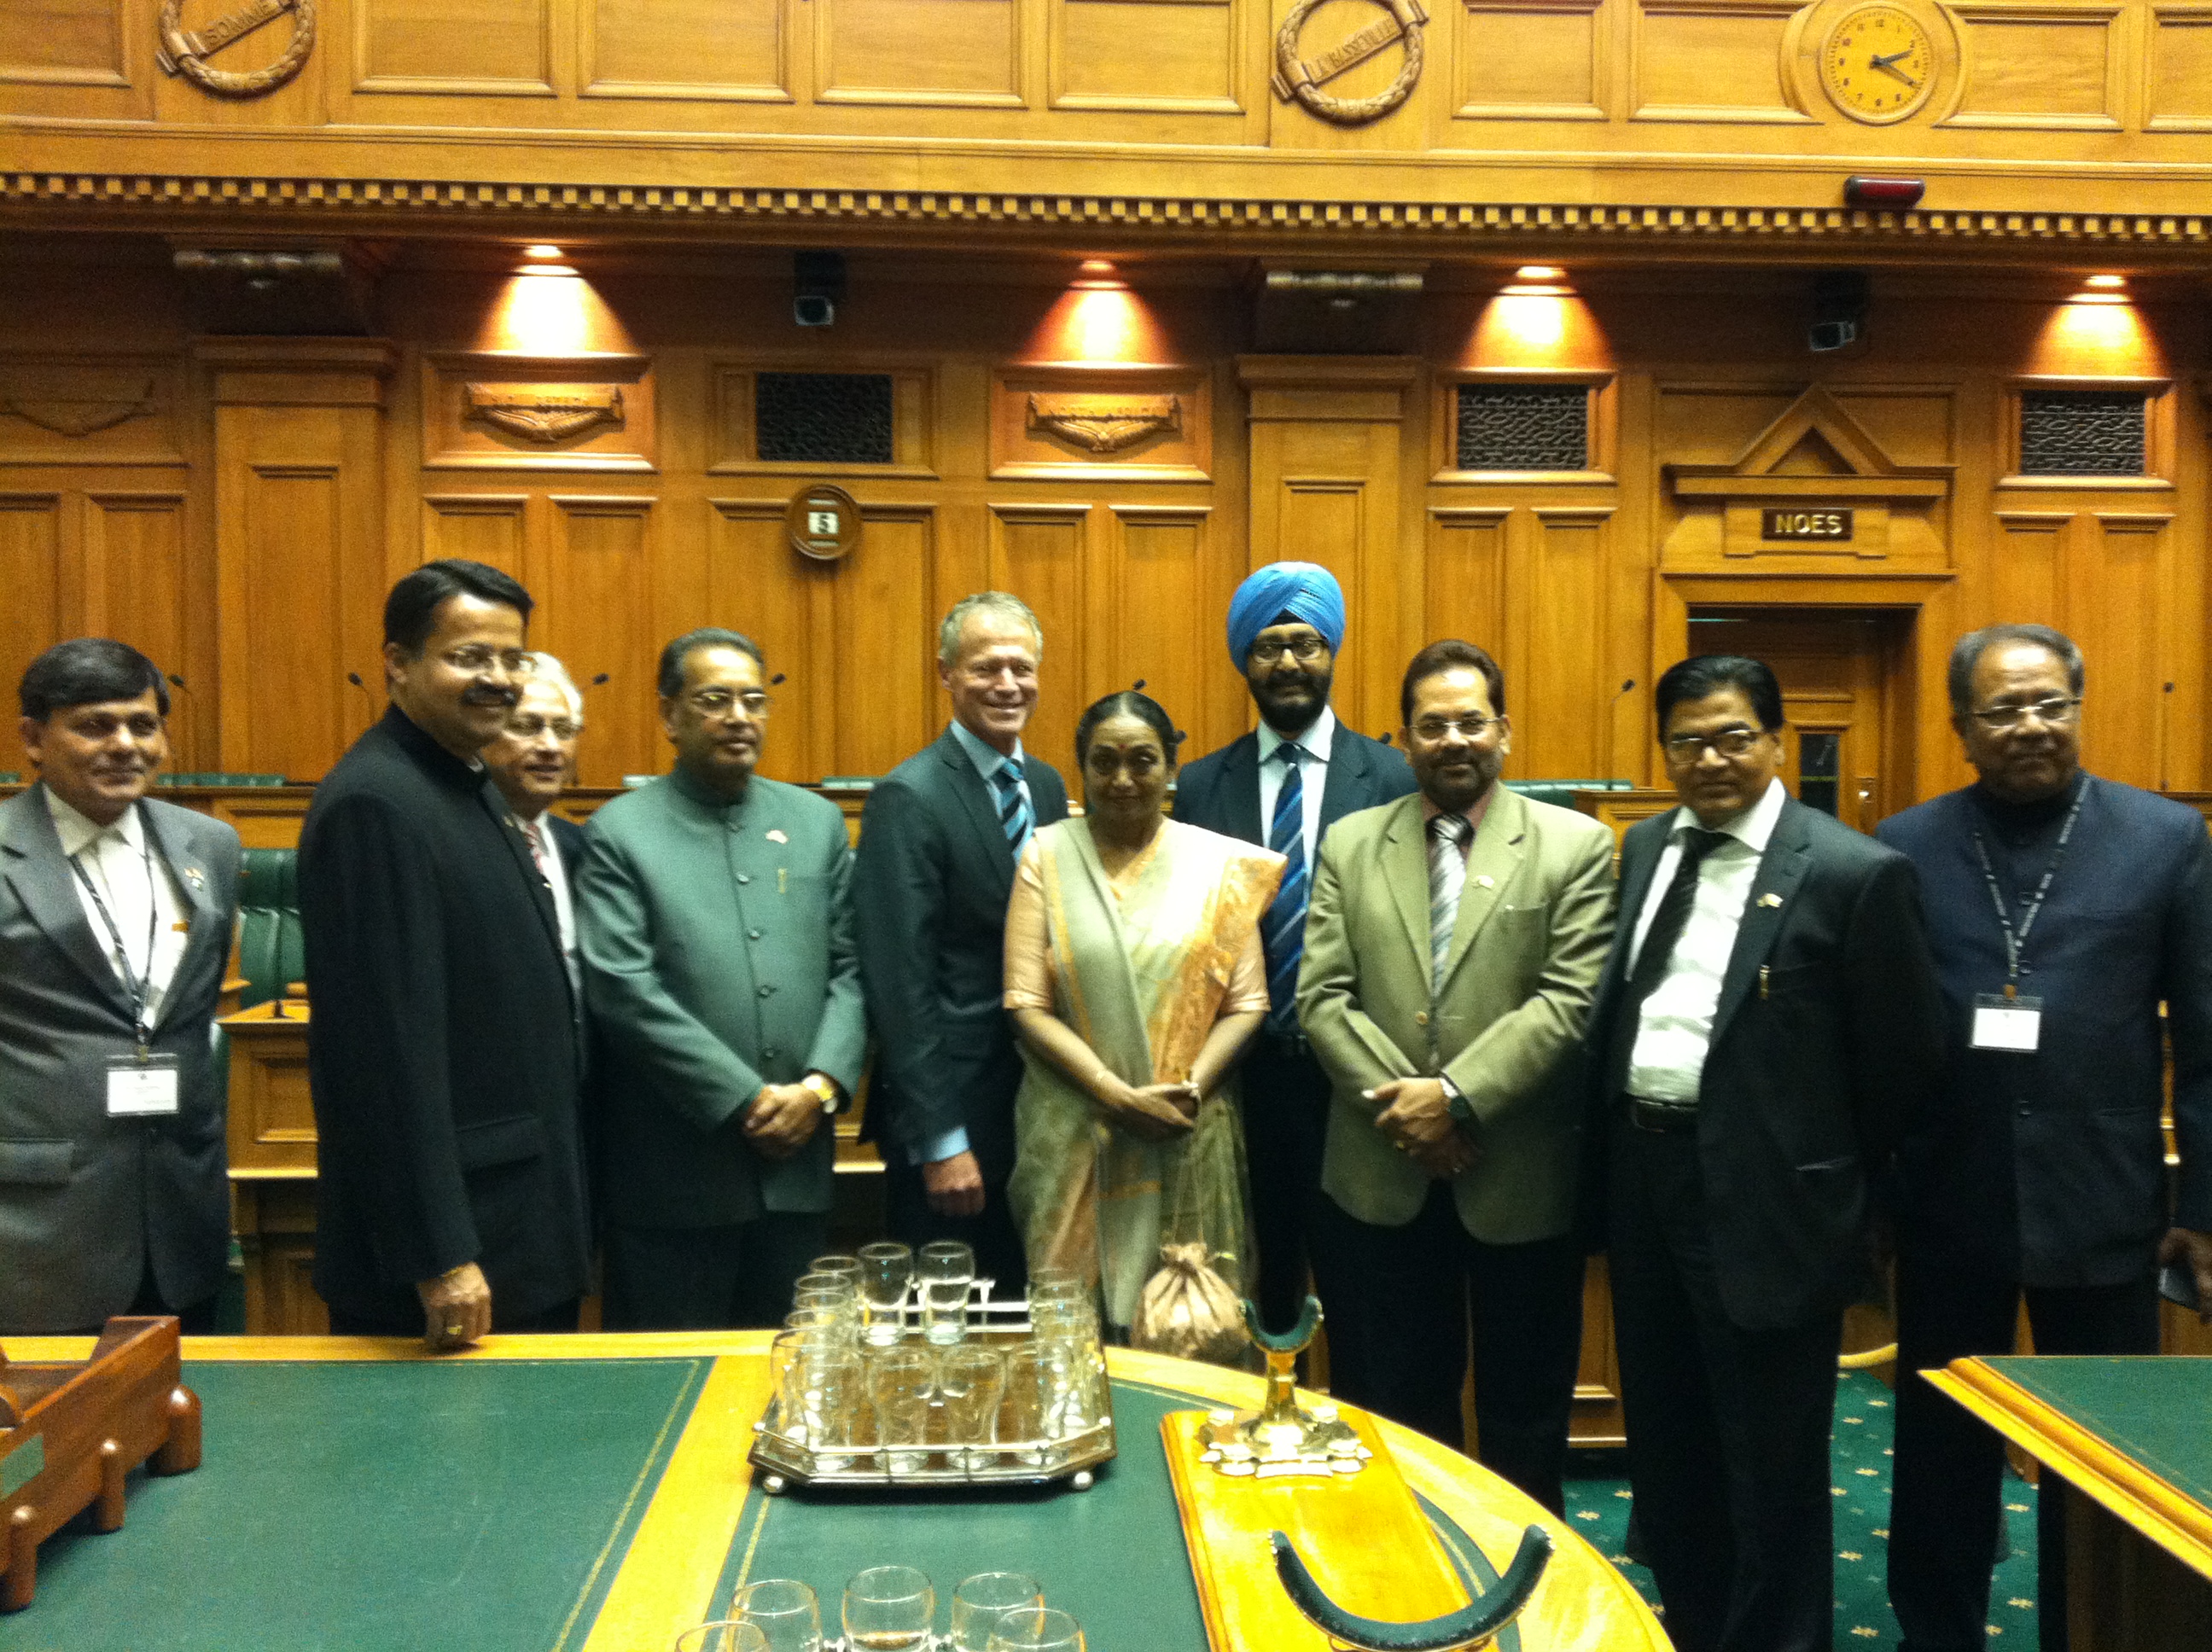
(1878, 63)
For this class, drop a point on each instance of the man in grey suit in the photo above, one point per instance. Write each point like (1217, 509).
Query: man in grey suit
(719, 967)
(115, 921)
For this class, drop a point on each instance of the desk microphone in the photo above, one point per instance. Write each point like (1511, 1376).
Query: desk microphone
(354, 677)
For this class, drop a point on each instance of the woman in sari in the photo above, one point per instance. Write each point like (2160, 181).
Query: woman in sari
(1135, 977)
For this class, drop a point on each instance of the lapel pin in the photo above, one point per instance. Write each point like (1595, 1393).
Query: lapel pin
(192, 877)
(1485, 881)
(775, 834)
(1770, 900)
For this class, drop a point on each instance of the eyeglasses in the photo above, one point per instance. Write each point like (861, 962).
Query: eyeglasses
(1306, 650)
(719, 703)
(2056, 711)
(1729, 743)
(1435, 728)
(529, 725)
(476, 659)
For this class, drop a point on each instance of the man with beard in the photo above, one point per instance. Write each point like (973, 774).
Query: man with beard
(1767, 1029)
(115, 921)
(1282, 787)
(443, 1049)
(720, 965)
(1453, 948)
(2063, 909)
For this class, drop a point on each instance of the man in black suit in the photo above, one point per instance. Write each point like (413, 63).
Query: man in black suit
(443, 1051)
(1283, 787)
(935, 868)
(1765, 1028)
(2062, 910)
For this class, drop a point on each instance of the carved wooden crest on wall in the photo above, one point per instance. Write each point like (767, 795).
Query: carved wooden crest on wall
(542, 413)
(1300, 80)
(185, 51)
(79, 415)
(1104, 424)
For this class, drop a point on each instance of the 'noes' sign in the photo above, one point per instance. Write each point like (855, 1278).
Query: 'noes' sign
(1815, 524)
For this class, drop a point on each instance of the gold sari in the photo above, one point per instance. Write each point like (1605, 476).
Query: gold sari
(1141, 966)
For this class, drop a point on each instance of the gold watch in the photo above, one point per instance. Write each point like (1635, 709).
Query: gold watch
(823, 1091)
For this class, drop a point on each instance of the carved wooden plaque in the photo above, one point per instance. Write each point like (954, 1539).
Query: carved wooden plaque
(823, 522)
(493, 410)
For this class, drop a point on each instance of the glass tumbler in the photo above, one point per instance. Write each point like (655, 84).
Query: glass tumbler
(900, 1382)
(731, 1634)
(784, 1609)
(889, 1609)
(982, 1599)
(885, 1270)
(1036, 1629)
(969, 1379)
(947, 1269)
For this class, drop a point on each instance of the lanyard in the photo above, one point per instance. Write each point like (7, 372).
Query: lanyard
(139, 988)
(2015, 939)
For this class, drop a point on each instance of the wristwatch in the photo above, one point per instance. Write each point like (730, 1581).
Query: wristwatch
(1458, 1106)
(823, 1090)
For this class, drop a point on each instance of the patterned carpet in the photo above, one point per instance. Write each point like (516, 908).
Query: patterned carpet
(1864, 1415)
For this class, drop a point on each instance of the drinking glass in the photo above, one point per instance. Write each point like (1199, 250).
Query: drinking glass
(1036, 1629)
(785, 1610)
(885, 1269)
(899, 1381)
(843, 1307)
(968, 1382)
(729, 1635)
(839, 1263)
(982, 1599)
(947, 1269)
(1036, 1394)
(823, 1403)
(889, 1609)
(823, 1278)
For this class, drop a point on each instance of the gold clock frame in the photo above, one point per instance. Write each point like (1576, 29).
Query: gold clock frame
(1807, 36)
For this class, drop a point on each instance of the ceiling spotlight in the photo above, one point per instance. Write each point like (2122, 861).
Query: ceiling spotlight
(541, 250)
(1538, 272)
(2105, 281)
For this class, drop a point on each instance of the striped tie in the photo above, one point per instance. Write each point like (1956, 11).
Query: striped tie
(1447, 833)
(1283, 931)
(1013, 806)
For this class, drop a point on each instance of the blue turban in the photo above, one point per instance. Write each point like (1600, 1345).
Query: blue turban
(1306, 591)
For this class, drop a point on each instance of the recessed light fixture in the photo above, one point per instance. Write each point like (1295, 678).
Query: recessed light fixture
(1538, 272)
(541, 250)
(2106, 282)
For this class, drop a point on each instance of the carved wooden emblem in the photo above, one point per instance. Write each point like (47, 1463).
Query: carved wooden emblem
(823, 522)
(185, 52)
(537, 413)
(1301, 80)
(1105, 424)
(76, 416)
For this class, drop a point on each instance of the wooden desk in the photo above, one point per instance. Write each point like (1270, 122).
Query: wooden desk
(2129, 1441)
(590, 1494)
(271, 1139)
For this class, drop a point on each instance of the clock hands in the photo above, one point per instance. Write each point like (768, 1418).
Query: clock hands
(1888, 65)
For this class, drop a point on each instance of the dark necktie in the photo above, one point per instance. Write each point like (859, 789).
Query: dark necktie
(530, 831)
(1667, 923)
(1283, 931)
(1014, 807)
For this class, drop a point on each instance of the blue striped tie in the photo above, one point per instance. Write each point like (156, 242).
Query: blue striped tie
(1014, 807)
(1283, 931)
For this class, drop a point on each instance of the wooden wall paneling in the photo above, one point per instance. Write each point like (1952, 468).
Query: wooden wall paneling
(1166, 626)
(134, 576)
(31, 572)
(754, 582)
(692, 50)
(594, 582)
(85, 58)
(493, 409)
(1529, 60)
(956, 54)
(2121, 619)
(454, 48)
(881, 631)
(1040, 552)
(1045, 420)
(2027, 578)
(301, 556)
(1562, 623)
(1712, 62)
(1156, 57)
(1326, 468)
(2178, 70)
(302, 100)
(2040, 67)
(1467, 593)
(89, 409)
(478, 527)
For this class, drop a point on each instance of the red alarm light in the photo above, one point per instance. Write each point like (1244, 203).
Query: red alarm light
(1897, 193)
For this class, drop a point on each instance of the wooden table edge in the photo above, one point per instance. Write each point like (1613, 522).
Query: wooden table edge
(2144, 1501)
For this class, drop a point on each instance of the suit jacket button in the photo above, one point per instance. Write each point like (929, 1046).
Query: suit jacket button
(771, 1052)
(765, 991)
(752, 934)
(1420, 1018)
(744, 877)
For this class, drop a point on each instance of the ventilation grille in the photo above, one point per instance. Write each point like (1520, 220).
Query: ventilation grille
(2081, 432)
(822, 418)
(1523, 428)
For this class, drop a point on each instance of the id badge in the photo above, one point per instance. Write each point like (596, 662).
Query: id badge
(2007, 1024)
(142, 1090)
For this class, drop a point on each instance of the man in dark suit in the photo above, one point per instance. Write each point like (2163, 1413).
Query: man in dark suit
(443, 1050)
(1283, 787)
(1766, 1028)
(2062, 910)
(115, 921)
(935, 868)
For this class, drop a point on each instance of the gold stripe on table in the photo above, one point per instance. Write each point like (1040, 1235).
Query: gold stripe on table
(2160, 1511)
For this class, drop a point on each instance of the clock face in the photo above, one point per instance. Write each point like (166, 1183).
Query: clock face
(1878, 64)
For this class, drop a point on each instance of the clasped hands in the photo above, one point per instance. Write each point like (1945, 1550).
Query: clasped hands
(1153, 1112)
(1416, 1116)
(780, 1120)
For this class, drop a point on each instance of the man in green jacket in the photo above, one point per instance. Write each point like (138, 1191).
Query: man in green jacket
(719, 964)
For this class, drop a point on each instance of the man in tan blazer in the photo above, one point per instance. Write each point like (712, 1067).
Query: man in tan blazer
(1452, 952)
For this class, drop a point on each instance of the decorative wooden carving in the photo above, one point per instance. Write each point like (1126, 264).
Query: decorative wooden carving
(1300, 80)
(76, 416)
(537, 413)
(1105, 424)
(822, 523)
(186, 53)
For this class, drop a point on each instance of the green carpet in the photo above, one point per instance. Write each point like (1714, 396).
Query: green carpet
(1865, 1414)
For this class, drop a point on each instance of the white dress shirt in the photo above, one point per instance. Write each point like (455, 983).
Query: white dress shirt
(564, 908)
(1313, 775)
(131, 877)
(1677, 1025)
